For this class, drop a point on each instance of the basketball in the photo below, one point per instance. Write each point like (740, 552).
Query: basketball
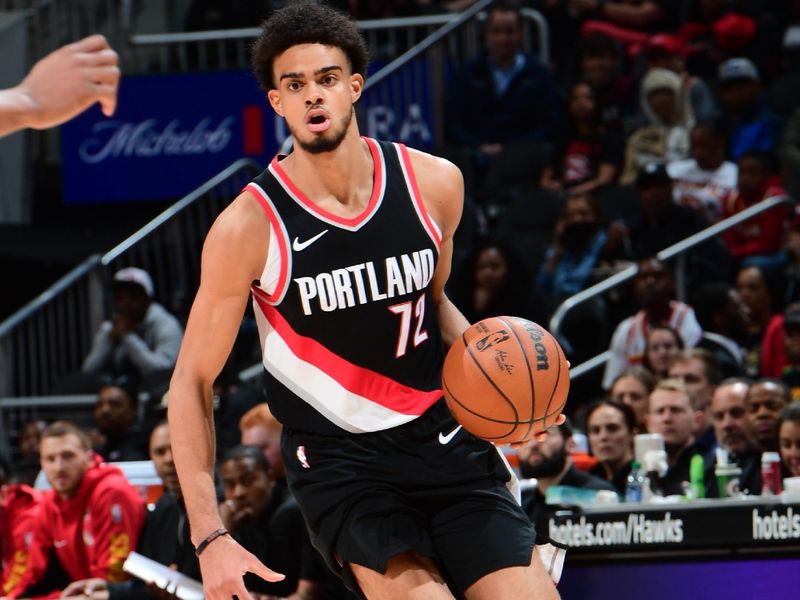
(505, 379)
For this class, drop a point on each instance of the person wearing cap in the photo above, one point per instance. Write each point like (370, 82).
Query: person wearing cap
(755, 126)
(141, 338)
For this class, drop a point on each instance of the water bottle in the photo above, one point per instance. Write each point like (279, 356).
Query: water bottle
(634, 484)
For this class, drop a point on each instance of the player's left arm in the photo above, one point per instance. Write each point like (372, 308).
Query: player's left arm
(441, 186)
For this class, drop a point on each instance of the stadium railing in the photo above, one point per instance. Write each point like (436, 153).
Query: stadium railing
(677, 252)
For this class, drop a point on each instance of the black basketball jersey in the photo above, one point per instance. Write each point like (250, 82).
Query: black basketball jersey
(347, 326)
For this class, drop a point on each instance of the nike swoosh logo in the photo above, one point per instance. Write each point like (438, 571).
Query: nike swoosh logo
(297, 245)
(445, 439)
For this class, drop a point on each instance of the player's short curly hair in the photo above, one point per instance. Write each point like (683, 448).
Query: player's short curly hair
(306, 23)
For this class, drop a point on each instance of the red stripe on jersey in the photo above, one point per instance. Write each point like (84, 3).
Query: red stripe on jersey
(377, 186)
(357, 380)
(418, 197)
(276, 230)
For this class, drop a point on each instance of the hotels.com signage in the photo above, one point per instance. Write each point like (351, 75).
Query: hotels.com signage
(171, 133)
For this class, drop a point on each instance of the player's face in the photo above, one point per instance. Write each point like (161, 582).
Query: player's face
(161, 455)
(315, 94)
(246, 484)
(729, 417)
(672, 416)
(269, 441)
(609, 437)
(632, 392)
(789, 443)
(764, 402)
(64, 460)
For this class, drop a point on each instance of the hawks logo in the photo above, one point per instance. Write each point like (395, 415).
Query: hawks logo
(301, 456)
(492, 340)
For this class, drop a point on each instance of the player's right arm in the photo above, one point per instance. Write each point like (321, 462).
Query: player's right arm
(233, 257)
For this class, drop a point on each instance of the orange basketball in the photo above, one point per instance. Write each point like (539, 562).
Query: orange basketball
(505, 379)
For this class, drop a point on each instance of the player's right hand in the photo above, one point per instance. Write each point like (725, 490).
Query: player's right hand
(224, 563)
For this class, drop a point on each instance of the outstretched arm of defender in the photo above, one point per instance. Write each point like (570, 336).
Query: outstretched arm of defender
(233, 256)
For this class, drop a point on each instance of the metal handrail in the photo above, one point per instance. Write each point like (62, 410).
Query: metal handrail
(176, 208)
(412, 53)
(666, 254)
(46, 296)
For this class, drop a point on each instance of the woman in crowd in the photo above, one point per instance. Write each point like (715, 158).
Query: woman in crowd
(789, 439)
(494, 282)
(610, 427)
(589, 157)
(632, 388)
(663, 344)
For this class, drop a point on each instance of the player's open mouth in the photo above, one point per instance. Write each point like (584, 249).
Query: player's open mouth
(318, 120)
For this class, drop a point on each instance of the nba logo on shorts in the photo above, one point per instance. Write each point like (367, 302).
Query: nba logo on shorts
(301, 456)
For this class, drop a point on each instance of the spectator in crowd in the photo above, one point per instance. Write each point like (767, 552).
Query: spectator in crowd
(18, 512)
(624, 19)
(494, 281)
(665, 223)
(26, 467)
(662, 344)
(791, 349)
(266, 521)
(673, 413)
(91, 518)
(705, 179)
(667, 51)
(773, 359)
(503, 96)
(735, 435)
(654, 289)
(261, 429)
(165, 537)
(610, 427)
(550, 464)
(586, 157)
(601, 66)
(117, 437)
(789, 439)
(632, 387)
(62, 85)
(579, 242)
(141, 338)
(754, 125)
(700, 372)
(765, 400)
(757, 240)
(789, 153)
(665, 121)
(724, 318)
(753, 285)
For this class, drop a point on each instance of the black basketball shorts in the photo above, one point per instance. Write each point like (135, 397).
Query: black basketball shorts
(419, 487)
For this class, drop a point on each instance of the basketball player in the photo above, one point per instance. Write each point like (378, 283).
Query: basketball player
(345, 247)
(61, 85)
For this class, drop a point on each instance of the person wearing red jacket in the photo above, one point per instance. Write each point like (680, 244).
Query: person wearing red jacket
(760, 237)
(91, 518)
(18, 505)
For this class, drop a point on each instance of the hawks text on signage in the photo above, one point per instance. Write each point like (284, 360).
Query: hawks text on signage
(636, 529)
(775, 525)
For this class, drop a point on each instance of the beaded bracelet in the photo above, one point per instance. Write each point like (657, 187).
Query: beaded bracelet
(210, 538)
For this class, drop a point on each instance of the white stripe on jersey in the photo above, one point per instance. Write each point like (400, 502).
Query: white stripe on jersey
(347, 410)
